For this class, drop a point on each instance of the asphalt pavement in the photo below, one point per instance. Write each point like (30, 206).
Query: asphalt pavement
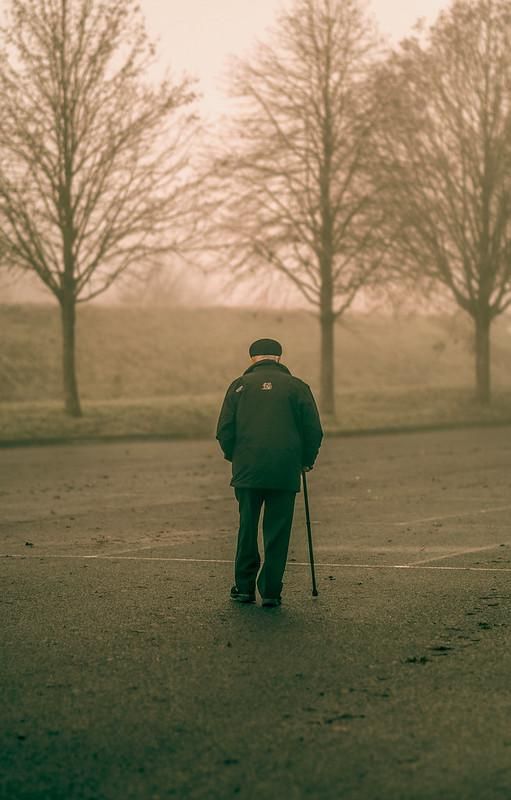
(127, 672)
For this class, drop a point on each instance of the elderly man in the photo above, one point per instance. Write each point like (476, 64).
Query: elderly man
(269, 428)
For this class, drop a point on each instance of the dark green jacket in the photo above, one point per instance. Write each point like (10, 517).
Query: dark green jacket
(269, 428)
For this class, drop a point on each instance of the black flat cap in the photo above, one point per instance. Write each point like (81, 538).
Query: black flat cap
(265, 347)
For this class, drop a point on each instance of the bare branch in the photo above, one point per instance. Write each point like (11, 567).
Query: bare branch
(297, 173)
(446, 152)
(94, 164)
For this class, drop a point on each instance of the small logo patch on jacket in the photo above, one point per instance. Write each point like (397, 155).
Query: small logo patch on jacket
(240, 388)
(267, 386)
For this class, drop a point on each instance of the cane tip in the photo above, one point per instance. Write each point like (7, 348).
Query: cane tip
(314, 592)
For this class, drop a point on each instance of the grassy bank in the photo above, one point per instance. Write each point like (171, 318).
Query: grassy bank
(195, 417)
(163, 372)
(180, 417)
(131, 353)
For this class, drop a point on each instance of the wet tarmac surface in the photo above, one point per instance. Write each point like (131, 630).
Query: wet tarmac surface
(127, 672)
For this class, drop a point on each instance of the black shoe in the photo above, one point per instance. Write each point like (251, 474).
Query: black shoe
(271, 602)
(242, 597)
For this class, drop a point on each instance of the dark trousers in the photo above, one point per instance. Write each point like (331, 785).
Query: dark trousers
(277, 522)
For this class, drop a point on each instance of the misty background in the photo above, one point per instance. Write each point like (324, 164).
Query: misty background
(309, 170)
(200, 38)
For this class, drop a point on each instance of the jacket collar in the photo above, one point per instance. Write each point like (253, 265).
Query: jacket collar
(267, 362)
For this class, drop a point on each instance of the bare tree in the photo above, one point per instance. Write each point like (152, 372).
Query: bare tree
(446, 151)
(93, 160)
(301, 195)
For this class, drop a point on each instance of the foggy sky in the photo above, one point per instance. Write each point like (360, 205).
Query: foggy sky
(197, 36)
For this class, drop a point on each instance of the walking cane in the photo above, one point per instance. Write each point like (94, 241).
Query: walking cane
(309, 535)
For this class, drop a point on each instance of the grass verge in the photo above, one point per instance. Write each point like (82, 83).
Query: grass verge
(176, 417)
(195, 416)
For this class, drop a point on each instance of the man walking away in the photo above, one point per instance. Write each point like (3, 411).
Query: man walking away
(269, 428)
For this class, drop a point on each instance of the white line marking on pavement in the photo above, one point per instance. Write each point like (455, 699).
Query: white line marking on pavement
(457, 553)
(130, 550)
(100, 557)
(453, 516)
(113, 557)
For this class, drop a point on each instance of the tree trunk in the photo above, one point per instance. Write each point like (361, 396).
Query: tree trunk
(68, 317)
(482, 352)
(327, 388)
